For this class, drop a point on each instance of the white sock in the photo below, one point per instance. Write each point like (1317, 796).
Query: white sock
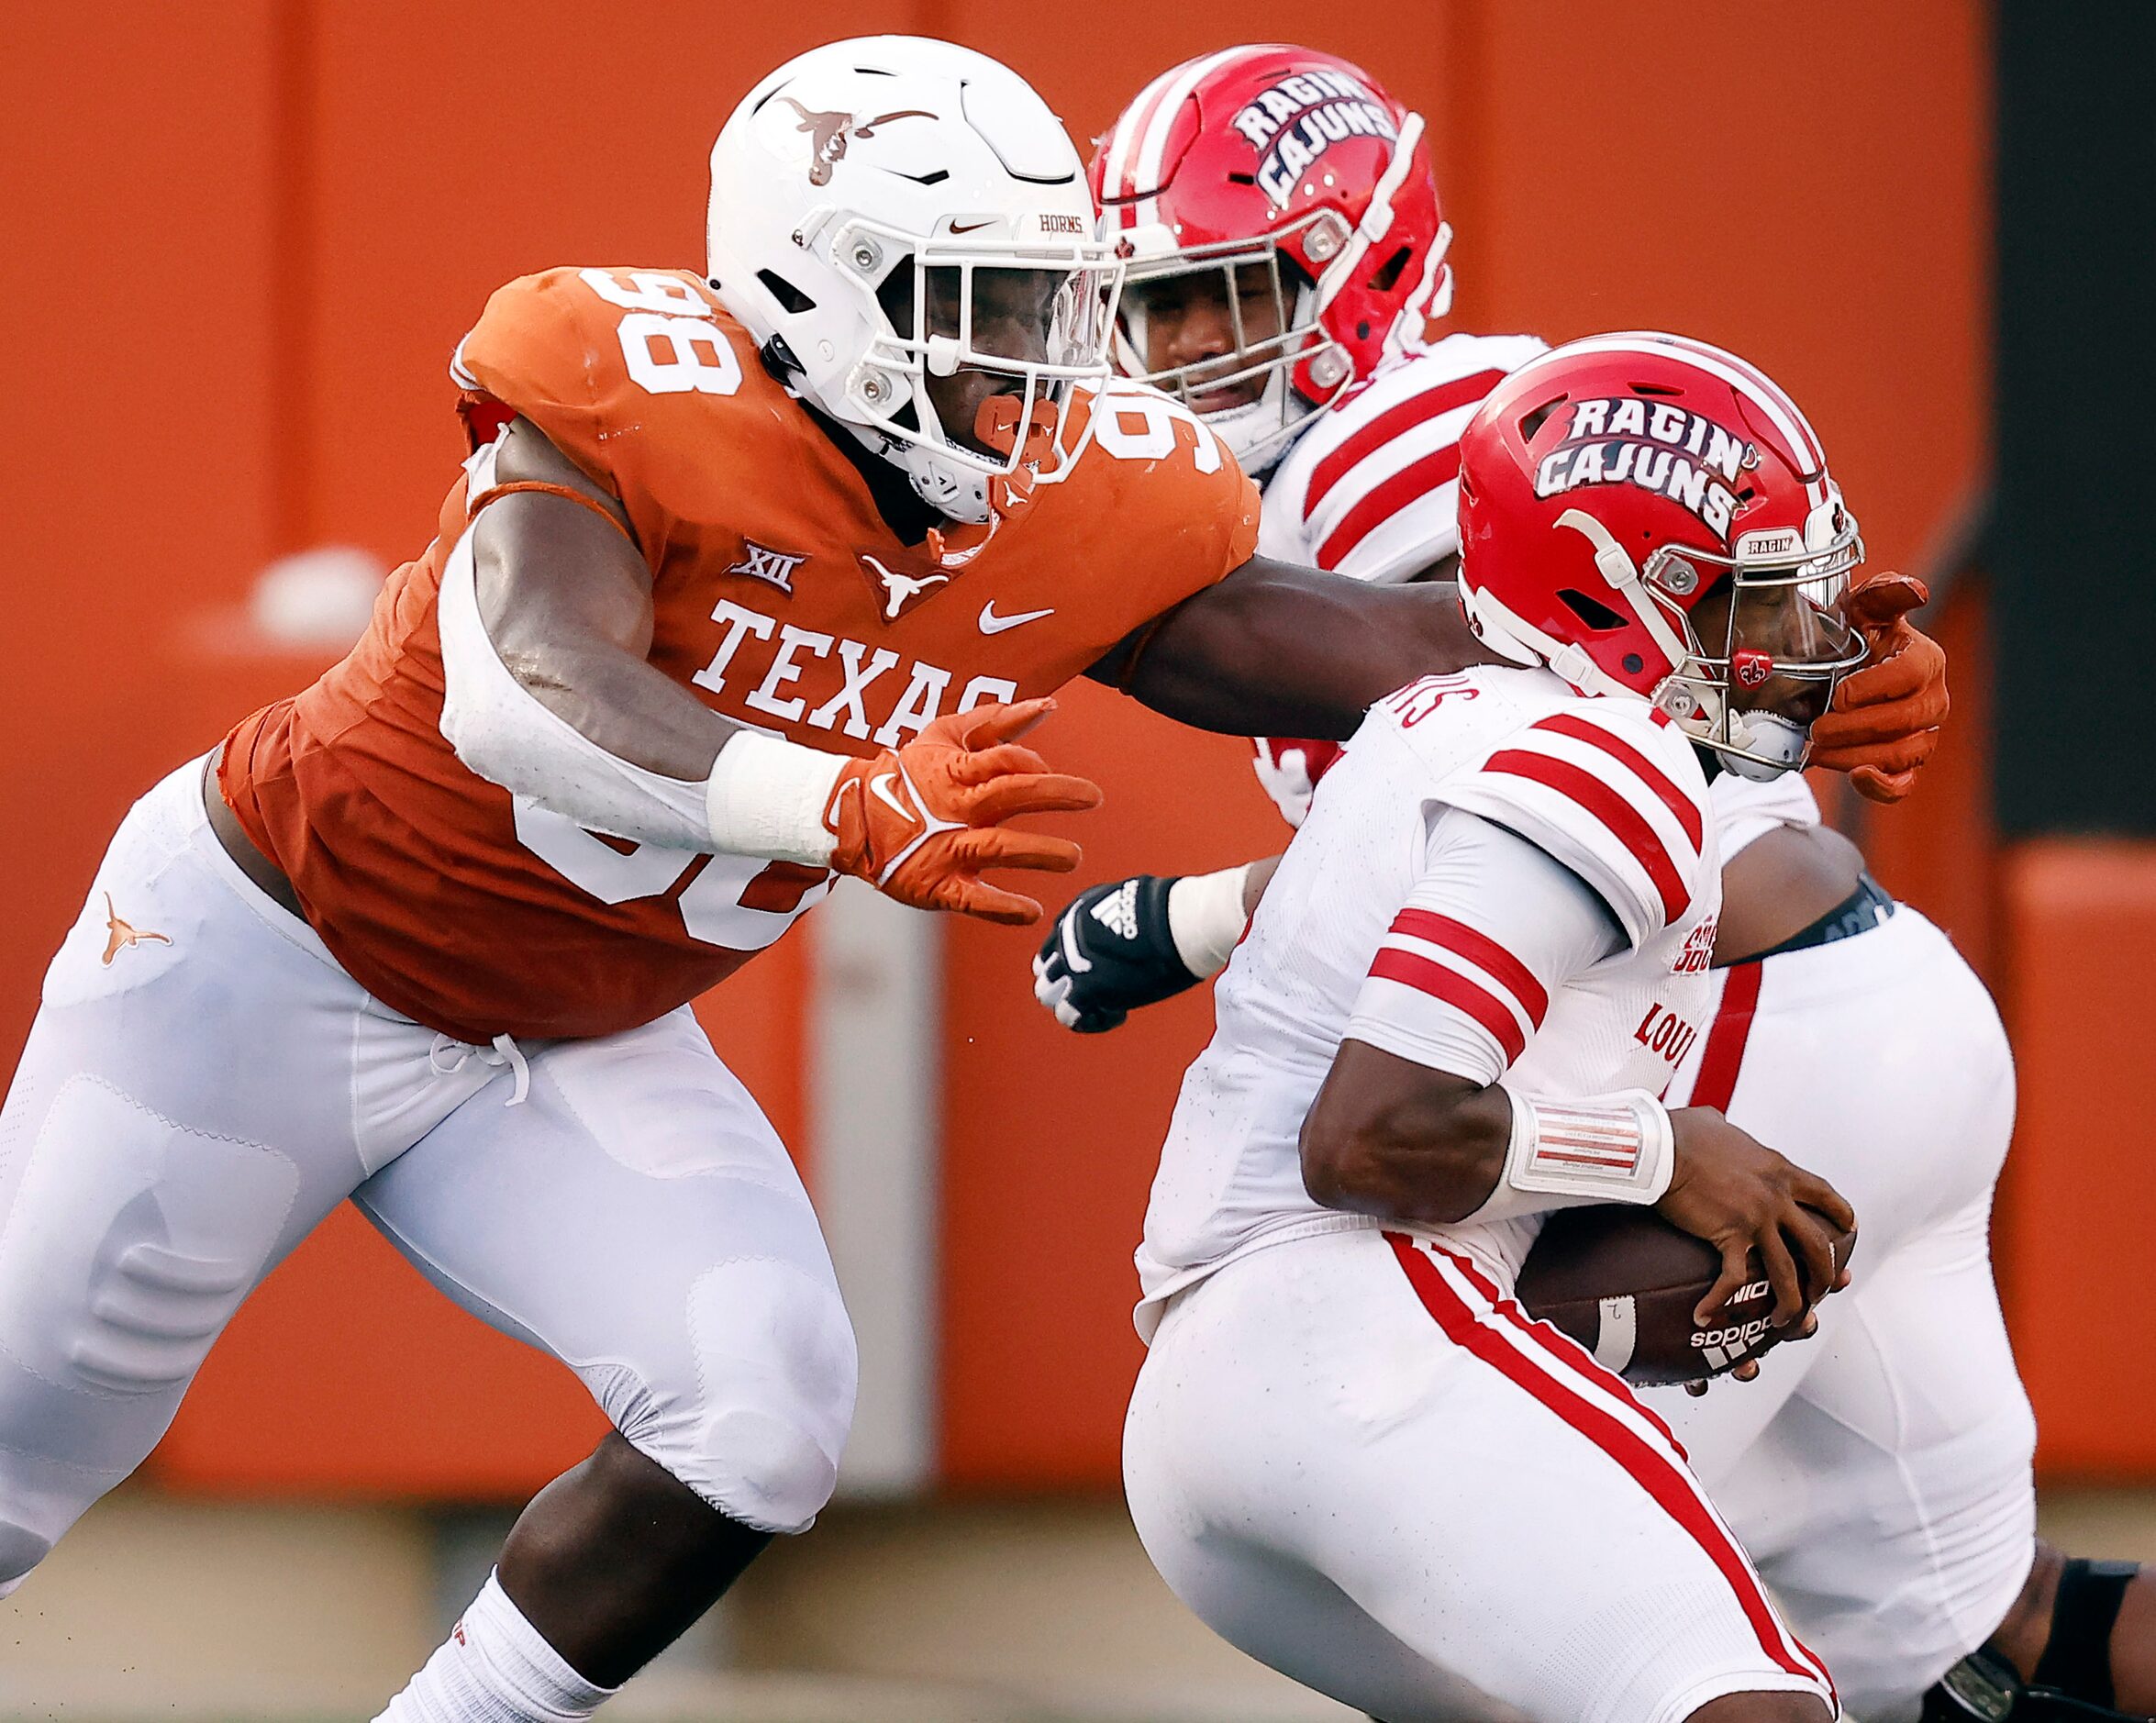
(495, 1668)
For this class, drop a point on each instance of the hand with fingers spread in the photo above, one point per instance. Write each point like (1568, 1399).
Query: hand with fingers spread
(1742, 1197)
(1886, 718)
(920, 823)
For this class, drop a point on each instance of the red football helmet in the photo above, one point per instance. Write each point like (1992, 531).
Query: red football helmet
(1620, 488)
(1307, 189)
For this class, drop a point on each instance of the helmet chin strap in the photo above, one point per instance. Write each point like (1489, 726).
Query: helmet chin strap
(1258, 432)
(1773, 745)
(1377, 220)
(1614, 564)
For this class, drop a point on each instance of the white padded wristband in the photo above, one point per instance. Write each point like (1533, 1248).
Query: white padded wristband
(1205, 918)
(1564, 1154)
(766, 797)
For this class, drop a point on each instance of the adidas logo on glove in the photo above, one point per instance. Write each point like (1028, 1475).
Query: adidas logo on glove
(1117, 912)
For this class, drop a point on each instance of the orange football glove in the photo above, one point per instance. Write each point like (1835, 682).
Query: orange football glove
(920, 823)
(1884, 720)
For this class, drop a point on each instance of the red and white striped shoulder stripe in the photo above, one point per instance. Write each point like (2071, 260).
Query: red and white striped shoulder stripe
(1608, 784)
(1394, 445)
(1463, 967)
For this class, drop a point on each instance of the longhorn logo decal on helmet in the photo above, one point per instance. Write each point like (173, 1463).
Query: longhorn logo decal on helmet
(1661, 448)
(828, 133)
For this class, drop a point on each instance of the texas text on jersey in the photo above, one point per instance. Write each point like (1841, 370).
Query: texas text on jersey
(782, 598)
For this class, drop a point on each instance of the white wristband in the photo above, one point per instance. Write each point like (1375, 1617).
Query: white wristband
(1205, 918)
(1600, 1148)
(766, 797)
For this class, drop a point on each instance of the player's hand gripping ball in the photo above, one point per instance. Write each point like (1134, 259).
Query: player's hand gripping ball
(1626, 1284)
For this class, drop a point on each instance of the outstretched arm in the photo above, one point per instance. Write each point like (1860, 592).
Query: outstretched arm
(545, 622)
(1279, 651)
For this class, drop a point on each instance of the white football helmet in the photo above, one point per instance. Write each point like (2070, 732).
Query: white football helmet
(898, 221)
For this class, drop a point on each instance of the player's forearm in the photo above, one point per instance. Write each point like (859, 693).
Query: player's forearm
(619, 749)
(1430, 1154)
(582, 726)
(1274, 650)
(624, 706)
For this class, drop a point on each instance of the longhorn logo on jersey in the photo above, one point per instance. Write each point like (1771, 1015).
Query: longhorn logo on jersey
(828, 134)
(1655, 445)
(1295, 121)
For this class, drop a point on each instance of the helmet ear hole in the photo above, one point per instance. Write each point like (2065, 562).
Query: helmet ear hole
(1387, 273)
(1532, 421)
(1592, 613)
(784, 292)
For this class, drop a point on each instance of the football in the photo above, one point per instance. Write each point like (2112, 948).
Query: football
(1624, 1281)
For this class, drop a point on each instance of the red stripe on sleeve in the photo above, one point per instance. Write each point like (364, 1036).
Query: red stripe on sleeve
(1455, 990)
(1579, 729)
(1417, 478)
(1481, 949)
(1660, 1475)
(1625, 822)
(1358, 446)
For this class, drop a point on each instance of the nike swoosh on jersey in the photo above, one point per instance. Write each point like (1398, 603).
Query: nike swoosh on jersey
(993, 624)
(879, 788)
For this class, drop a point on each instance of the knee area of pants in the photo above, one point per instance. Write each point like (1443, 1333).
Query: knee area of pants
(761, 1438)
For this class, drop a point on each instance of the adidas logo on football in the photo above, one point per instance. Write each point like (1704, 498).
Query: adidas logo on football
(1117, 912)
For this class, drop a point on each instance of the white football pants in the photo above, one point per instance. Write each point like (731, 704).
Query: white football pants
(1358, 1464)
(1879, 1473)
(204, 1084)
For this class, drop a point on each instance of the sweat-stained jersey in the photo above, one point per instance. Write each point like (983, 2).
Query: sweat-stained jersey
(1607, 788)
(783, 601)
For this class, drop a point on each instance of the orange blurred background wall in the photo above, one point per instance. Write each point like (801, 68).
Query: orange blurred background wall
(244, 238)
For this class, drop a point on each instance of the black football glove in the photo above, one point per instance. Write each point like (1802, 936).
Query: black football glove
(1109, 952)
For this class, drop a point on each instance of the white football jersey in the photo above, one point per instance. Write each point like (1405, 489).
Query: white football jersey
(1370, 489)
(1605, 786)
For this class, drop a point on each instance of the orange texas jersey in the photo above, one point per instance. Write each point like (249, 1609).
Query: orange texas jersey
(782, 600)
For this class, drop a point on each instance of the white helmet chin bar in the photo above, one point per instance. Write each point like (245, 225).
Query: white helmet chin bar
(1759, 745)
(891, 410)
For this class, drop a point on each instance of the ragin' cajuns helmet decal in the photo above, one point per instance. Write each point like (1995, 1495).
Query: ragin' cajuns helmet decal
(1659, 446)
(1610, 486)
(1298, 163)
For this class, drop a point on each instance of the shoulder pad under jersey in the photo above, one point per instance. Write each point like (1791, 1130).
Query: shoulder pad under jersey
(1605, 786)
(641, 378)
(1371, 487)
(1159, 486)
